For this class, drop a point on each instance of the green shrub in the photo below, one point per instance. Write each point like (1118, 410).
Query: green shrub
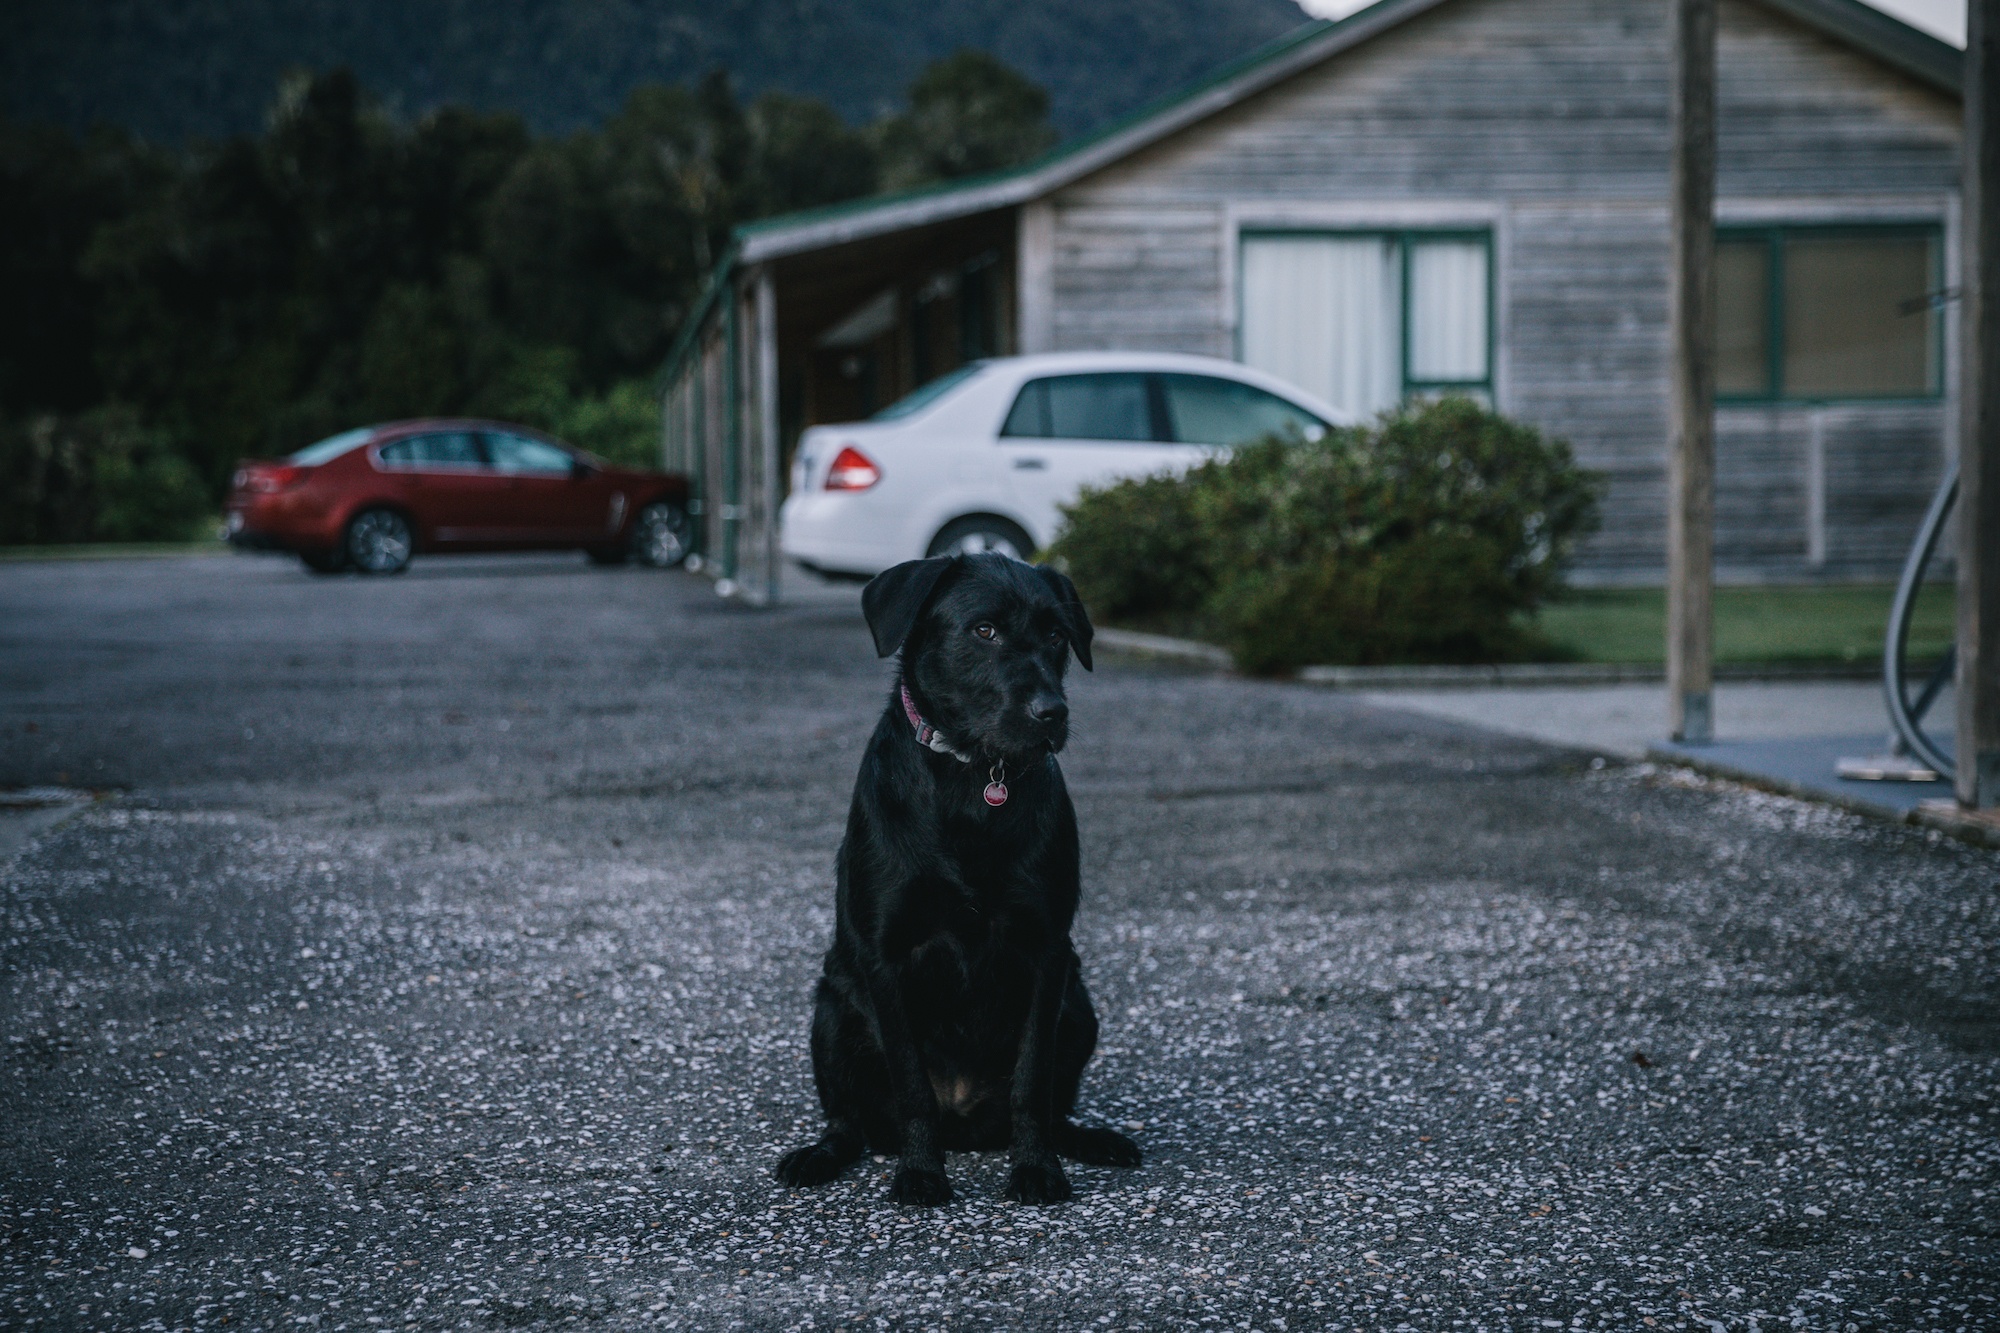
(98, 476)
(621, 427)
(1135, 551)
(1421, 538)
(537, 386)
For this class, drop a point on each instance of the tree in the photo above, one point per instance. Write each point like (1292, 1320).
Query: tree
(59, 192)
(803, 155)
(969, 113)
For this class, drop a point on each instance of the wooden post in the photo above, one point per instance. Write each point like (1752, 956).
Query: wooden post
(1691, 422)
(1035, 278)
(1978, 734)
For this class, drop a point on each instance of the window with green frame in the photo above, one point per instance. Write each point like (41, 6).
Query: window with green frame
(1367, 319)
(1818, 313)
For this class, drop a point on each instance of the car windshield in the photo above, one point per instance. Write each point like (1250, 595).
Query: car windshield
(330, 448)
(922, 397)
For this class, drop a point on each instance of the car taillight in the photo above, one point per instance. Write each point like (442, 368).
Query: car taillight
(852, 470)
(265, 480)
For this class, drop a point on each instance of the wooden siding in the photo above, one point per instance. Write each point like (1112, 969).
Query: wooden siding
(1587, 337)
(1801, 114)
(1550, 118)
(1139, 279)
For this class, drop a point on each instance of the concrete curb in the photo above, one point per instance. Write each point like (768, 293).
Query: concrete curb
(1980, 829)
(1468, 677)
(1161, 645)
(1556, 673)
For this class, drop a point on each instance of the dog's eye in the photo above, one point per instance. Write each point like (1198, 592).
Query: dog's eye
(1055, 638)
(986, 631)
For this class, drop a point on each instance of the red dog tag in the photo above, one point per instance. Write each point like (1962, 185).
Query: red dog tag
(996, 793)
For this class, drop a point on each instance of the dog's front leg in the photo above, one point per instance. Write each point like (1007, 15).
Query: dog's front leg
(920, 1177)
(1038, 1176)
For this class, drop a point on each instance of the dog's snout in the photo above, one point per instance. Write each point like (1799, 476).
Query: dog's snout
(1048, 709)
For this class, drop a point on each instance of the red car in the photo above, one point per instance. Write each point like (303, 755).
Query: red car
(368, 499)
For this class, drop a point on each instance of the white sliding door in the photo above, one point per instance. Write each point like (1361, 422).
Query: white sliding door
(1366, 321)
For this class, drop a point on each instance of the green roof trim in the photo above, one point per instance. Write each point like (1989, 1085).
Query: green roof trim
(1300, 35)
(711, 292)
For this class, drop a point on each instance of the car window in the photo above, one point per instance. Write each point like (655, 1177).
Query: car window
(330, 448)
(1208, 410)
(518, 453)
(1111, 406)
(457, 448)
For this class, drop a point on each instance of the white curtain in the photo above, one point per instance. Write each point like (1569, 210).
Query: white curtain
(1324, 313)
(1447, 310)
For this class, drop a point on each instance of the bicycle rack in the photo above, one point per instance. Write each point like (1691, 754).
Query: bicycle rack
(1908, 717)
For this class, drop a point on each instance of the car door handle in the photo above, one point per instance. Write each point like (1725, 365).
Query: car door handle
(1030, 464)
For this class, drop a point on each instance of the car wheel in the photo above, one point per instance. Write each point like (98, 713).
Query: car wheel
(971, 536)
(660, 535)
(379, 541)
(324, 562)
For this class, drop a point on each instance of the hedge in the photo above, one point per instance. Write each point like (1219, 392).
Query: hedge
(1427, 536)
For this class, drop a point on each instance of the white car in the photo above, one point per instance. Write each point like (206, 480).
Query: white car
(982, 458)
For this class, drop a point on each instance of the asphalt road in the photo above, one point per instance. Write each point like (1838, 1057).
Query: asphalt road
(438, 957)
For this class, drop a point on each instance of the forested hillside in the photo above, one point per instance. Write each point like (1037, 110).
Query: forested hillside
(175, 309)
(168, 69)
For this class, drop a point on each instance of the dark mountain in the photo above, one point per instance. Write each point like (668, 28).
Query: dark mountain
(171, 69)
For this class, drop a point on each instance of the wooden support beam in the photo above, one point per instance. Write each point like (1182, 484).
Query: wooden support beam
(1691, 421)
(1035, 276)
(1978, 732)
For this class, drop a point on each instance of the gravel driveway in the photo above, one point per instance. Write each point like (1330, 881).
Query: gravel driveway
(438, 957)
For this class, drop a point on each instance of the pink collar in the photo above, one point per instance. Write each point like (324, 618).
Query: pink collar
(931, 738)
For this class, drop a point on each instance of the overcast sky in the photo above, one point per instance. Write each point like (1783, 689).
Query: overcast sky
(1946, 18)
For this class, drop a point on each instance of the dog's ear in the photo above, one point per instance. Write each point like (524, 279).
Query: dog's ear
(1075, 619)
(894, 599)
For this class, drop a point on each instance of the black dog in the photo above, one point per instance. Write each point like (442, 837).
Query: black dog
(951, 1013)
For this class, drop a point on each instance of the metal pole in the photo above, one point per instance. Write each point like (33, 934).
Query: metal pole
(1905, 717)
(767, 425)
(699, 426)
(732, 435)
(1978, 732)
(1691, 423)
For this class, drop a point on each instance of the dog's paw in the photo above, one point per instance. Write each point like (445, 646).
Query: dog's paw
(814, 1164)
(1094, 1146)
(920, 1188)
(1032, 1182)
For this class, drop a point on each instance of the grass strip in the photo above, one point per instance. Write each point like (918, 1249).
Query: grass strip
(110, 550)
(1753, 625)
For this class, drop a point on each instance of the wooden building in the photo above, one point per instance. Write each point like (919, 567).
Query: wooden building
(1426, 196)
